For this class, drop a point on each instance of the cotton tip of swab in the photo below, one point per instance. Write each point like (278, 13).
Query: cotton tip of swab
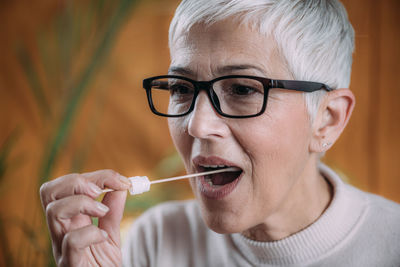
(139, 185)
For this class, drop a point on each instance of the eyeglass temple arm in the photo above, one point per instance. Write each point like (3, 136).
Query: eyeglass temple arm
(302, 86)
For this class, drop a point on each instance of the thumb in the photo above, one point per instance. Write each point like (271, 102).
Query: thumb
(112, 220)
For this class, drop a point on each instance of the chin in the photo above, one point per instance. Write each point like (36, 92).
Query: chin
(222, 223)
(223, 216)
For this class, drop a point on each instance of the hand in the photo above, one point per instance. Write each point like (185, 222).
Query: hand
(69, 203)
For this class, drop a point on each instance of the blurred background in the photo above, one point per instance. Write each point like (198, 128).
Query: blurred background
(71, 101)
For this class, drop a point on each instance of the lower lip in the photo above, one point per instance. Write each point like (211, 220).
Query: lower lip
(214, 192)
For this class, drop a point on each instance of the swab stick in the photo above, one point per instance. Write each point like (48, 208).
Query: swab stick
(141, 184)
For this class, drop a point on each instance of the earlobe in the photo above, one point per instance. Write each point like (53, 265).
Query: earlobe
(333, 115)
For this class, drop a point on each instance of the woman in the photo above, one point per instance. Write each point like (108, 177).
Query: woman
(262, 86)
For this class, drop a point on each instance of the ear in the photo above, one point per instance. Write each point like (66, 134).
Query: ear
(333, 114)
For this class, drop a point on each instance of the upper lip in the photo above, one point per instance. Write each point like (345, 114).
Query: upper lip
(200, 161)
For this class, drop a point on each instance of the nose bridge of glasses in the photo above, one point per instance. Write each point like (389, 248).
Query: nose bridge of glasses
(203, 85)
(207, 86)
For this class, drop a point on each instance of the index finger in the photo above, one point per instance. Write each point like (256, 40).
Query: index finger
(102, 179)
(89, 184)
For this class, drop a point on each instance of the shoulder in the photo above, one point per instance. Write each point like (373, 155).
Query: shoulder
(368, 202)
(375, 215)
(370, 224)
(378, 212)
(383, 204)
(377, 238)
(383, 211)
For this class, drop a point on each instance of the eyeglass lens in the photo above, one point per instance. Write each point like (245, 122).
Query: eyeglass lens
(236, 96)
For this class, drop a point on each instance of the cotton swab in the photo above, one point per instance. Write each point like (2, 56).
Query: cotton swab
(141, 184)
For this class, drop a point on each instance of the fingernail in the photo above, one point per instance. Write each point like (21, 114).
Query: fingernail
(94, 188)
(124, 180)
(102, 207)
(104, 233)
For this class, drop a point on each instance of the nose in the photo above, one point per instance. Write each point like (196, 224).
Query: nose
(204, 121)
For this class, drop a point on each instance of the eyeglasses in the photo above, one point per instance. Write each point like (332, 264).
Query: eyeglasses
(232, 96)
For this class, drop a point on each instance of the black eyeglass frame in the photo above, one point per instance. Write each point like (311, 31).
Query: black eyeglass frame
(303, 86)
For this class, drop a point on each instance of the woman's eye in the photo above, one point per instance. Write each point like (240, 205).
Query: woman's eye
(242, 90)
(180, 90)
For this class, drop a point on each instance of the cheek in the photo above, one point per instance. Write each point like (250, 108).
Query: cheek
(276, 148)
(180, 137)
(285, 124)
(276, 141)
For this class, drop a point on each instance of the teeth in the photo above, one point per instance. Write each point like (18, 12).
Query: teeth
(214, 166)
(208, 180)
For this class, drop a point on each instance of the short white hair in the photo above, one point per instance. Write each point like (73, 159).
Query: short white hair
(314, 37)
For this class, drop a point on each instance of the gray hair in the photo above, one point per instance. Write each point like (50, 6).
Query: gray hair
(314, 37)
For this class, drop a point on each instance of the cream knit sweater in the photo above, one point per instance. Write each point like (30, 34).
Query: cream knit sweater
(358, 229)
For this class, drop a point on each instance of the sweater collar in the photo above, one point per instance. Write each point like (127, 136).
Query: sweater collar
(317, 239)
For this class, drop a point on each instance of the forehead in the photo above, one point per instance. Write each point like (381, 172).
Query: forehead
(225, 47)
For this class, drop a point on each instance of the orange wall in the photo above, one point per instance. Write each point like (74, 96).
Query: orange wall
(367, 152)
(114, 128)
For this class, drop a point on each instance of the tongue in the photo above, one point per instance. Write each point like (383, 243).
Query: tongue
(224, 177)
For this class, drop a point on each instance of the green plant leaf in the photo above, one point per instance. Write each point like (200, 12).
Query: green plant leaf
(81, 88)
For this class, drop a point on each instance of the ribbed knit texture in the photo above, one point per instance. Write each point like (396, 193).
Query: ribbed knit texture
(358, 229)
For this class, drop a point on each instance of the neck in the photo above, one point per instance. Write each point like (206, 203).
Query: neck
(307, 200)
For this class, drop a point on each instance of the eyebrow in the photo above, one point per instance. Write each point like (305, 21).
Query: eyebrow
(231, 68)
(222, 70)
(180, 70)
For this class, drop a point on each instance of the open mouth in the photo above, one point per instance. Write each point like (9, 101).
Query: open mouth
(219, 179)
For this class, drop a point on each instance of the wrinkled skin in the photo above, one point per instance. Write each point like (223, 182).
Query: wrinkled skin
(281, 190)
(69, 202)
